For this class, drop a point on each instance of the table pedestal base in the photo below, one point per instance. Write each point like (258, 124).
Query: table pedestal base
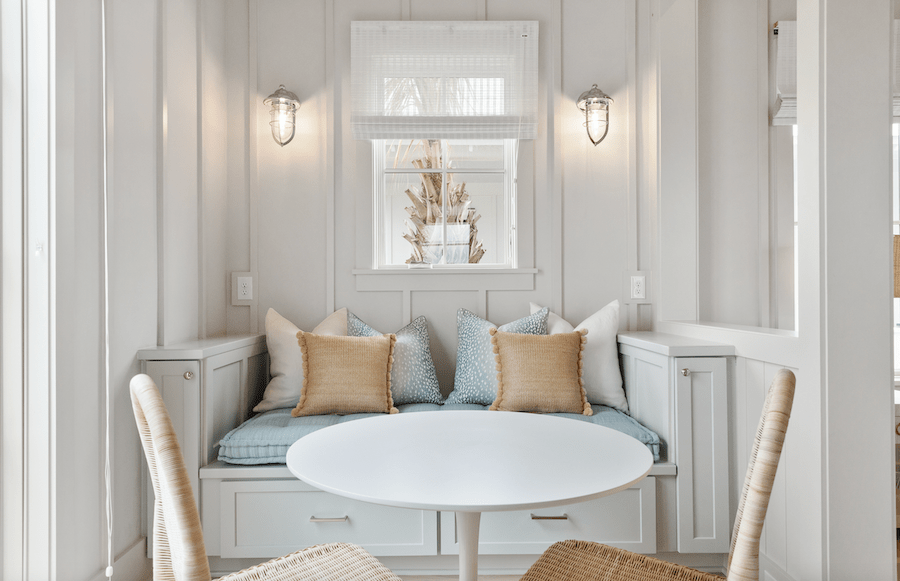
(467, 524)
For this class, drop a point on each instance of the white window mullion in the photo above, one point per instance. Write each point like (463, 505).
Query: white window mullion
(445, 183)
(489, 174)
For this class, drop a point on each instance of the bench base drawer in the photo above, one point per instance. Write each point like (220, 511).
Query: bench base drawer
(626, 520)
(268, 519)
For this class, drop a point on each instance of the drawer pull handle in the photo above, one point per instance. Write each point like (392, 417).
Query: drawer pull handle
(685, 372)
(897, 430)
(339, 519)
(189, 375)
(539, 517)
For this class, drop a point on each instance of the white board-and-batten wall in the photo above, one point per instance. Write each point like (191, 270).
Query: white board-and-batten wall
(832, 508)
(308, 207)
(200, 190)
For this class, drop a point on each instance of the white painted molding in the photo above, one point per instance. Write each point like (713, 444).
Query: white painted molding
(762, 175)
(632, 241)
(554, 167)
(131, 565)
(330, 155)
(769, 571)
(438, 280)
(678, 140)
(253, 165)
(39, 116)
(201, 254)
(12, 292)
(161, 163)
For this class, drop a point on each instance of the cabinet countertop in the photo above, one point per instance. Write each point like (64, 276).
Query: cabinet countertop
(199, 348)
(674, 345)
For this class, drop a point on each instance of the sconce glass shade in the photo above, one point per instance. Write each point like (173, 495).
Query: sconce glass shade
(594, 103)
(284, 107)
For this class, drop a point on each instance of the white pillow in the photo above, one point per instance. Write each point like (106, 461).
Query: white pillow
(286, 358)
(600, 363)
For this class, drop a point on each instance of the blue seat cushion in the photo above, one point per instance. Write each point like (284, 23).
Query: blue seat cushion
(266, 437)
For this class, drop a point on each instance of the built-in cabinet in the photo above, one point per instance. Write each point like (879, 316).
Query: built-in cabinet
(675, 386)
(691, 377)
(209, 387)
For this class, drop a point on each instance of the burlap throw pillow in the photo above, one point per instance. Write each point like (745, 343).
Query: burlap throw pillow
(345, 375)
(540, 373)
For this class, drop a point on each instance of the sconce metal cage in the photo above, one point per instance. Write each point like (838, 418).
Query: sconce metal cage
(594, 103)
(284, 108)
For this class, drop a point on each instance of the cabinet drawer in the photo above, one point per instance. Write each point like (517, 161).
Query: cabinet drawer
(272, 518)
(626, 520)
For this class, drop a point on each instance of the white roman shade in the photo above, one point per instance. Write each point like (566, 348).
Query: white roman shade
(785, 110)
(444, 80)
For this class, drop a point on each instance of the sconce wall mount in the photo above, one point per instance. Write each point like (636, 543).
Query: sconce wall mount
(594, 103)
(284, 113)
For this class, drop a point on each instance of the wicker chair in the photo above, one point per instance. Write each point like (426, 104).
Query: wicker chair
(587, 561)
(179, 552)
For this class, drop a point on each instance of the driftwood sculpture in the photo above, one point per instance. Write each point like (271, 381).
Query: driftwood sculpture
(425, 225)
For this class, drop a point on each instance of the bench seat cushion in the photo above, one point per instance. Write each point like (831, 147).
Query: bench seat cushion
(266, 437)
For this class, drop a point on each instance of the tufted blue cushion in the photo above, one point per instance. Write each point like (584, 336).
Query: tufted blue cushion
(265, 438)
(413, 379)
(476, 367)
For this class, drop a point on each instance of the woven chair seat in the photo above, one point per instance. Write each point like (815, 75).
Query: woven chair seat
(588, 561)
(332, 562)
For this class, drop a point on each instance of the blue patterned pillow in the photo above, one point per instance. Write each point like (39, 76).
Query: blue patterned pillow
(476, 368)
(413, 379)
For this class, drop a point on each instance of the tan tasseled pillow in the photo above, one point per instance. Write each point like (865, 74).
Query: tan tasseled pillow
(345, 375)
(540, 373)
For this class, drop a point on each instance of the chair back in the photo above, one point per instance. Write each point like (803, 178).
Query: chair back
(743, 561)
(178, 550)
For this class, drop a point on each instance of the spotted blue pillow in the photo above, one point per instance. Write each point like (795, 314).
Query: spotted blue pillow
(476, 368)
(413, 379)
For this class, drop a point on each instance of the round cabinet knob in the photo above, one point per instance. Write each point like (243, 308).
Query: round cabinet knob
(189, 375)
(685, 372)
(897, 430)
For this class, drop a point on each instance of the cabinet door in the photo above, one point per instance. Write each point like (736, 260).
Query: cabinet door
(179, 385)
(701, 391)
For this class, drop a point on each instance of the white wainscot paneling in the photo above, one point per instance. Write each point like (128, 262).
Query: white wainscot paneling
(752, 381)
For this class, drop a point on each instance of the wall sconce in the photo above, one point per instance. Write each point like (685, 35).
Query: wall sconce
(594, 103)
(284, 108)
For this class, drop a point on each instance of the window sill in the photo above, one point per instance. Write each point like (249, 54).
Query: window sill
(451, 279)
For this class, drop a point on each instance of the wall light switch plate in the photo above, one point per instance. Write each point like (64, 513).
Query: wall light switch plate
(636, 287)
(242, 289)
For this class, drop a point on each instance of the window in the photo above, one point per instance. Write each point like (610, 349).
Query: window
(445, 105)
(416, 224)
(895, 217)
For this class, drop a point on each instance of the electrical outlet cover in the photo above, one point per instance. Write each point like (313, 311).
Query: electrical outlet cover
(636, 287)
(242, 289)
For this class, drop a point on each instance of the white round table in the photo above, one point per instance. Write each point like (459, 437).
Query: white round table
(469, 462)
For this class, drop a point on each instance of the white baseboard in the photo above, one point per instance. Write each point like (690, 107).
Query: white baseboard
(769, 571)
(131, 565)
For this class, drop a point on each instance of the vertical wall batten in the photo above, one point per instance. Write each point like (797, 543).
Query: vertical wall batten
(331, 156)
(201, 230)
(253, 174)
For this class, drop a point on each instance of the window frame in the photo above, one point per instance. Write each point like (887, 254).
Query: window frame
(510, 204)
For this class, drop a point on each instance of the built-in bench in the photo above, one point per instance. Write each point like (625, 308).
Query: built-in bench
(675, 387)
